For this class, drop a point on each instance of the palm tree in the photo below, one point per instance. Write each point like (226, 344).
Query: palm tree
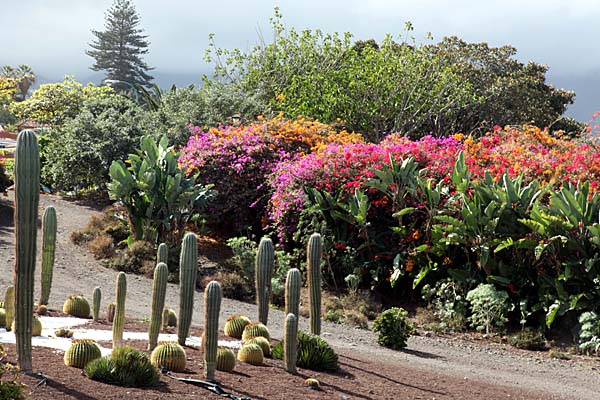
(24, 76)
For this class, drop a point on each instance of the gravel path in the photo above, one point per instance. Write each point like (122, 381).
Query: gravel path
(520, 371)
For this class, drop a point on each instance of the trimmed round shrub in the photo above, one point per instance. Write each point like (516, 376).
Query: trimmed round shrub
(251, 354)
(77, 306)
(81, 352)
(393, 328)
(234, 326)
(225, 359)
(169, 355)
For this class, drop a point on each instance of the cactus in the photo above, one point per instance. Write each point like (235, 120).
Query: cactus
(290, 343)
(313, 383)
(313, 260)
(169, 355)
(234, 326)
(159, 291)
(264, 344)
(96, 300)
(110, 312)
(265, 257)
(253, 330)
(293, 282)
(119, 320)
(162, 255)
(81, 352)
(36, 326)
(77, 306)
(2, 318)
(212, 308)
(63, 332)
(9, 306)
(169, 318)
(48, 252)
(27, 197)
(42, 309)
(225, 359)
(251, 354)
(188, 266)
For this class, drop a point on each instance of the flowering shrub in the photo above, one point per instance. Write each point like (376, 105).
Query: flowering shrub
(238, 160)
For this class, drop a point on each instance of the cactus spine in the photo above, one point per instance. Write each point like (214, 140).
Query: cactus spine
(265, 258)
(290, 343)
(313, 260)
(188, 268)
(162, 256)
(48, 252)
(293, 282)
(27, 197)
(212, 308)
(9, 306)
(96, 300)
(159, 290)
(119, 319)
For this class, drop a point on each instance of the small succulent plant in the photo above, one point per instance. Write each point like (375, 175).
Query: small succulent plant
(169, 318)
(64, 333)
(225, 359)
(169, 355)
(234, 326)
(251, 354)
(81, 352)
(255, 329)
(77, 306)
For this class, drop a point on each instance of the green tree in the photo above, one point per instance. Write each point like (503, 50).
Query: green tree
(24, 77)
(118, 49)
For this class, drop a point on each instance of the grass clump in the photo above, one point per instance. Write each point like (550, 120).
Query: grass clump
(528, 339)
(124, 367)
(314, 353)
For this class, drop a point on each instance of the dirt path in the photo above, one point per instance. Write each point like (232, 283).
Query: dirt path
(489, 371)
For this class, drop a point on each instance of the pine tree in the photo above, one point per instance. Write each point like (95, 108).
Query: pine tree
(119, 49)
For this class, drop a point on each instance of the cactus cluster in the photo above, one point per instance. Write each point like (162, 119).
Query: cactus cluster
(63, 332)
(119, 319)
(255, 329)
(188, 268)
(77, 306)
(313, 261)
(225, 359)
(96, 300)
(212, 308)
(81, 352)
(235, 324)
(48, 253)
(159, 291)
(265, 259)
(169, 355)
(27, 197)
(251, 354)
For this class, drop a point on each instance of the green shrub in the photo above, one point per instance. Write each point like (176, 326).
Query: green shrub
(589, 333)
(233, 285)
(314, 353)
(447, 301)
(124, 367)
(393, 328)
(9, 389)
(488, 307)
(528, 339)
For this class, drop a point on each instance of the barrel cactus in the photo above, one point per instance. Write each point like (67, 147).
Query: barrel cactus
(48, 252)
(212, 308)
(255, 329)
(225, 359)
(27, 197)
(293, 282)
(169, 355)
(2, 318)
(313, 260)
(234, 326)
(159, 291)
(36, 326)
(77, 306)
(188, 268)
(96, 300)
(264, 344)
(265, 258)
(119, 320)
(290, 343)
(110, 312)
(9, 306)
(169, 318)
(251, 354)
(81, 352)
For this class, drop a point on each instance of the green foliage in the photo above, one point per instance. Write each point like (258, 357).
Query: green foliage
(488, 307)
(119, 48)
(314, 353)
(125, 367)
(528, 339)
(23, 78)
(80, 152)
(158, 196)
(589, 333)
(393, 328)
(447, 300)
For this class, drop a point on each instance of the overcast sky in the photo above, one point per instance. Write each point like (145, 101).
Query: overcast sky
(51, 35)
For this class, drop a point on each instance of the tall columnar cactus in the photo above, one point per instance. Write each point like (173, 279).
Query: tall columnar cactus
(313, 261)
(188, 268)
(119, 320)
(290, 343)
(265, 258)
(162, 256)
(212, 308)
(27, 197)
(96, 300)
(9, 305)
(293, 282)
(159, 291)
(48, 252)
